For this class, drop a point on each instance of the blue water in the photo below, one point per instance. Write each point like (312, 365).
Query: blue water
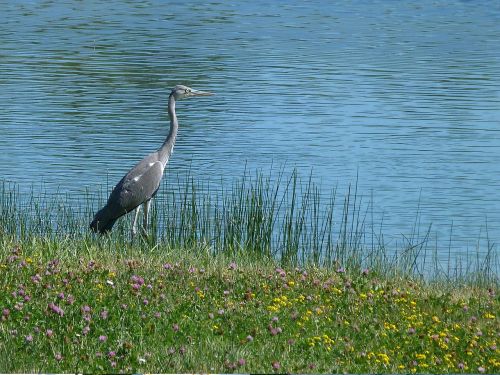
(403, 94)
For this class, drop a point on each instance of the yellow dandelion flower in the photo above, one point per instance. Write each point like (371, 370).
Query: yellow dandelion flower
(384, 358)
(390, 326)
(435, 319)
(412, 318)
(494, 362)
(489, 316)
(200, 294)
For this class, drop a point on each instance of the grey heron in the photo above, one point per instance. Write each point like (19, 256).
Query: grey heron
(141, 183)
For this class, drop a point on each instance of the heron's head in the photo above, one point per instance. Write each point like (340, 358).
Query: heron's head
(181, 92)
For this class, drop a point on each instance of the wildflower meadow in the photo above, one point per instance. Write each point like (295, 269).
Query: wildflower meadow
(175, 312)
(263, 279)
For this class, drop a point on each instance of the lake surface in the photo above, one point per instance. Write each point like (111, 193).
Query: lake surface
(404, 94)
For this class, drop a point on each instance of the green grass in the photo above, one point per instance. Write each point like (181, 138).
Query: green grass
(170, 310)
(275, 216)
(265, 276)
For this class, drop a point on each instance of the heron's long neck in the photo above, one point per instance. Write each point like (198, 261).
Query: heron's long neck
(166, 149)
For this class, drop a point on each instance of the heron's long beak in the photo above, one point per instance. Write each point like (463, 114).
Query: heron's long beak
(200, 93)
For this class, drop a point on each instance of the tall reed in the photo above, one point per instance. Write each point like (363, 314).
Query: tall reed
(280, 217)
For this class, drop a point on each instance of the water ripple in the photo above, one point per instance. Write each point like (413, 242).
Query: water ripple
(404, 94)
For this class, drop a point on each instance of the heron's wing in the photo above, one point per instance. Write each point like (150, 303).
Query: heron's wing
(137, 187)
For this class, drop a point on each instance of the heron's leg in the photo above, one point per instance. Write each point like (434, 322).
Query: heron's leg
(134, 224)
(145, 217)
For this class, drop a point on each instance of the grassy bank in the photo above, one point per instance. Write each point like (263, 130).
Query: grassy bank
(267, 275)
(73, 307)
(283, 217)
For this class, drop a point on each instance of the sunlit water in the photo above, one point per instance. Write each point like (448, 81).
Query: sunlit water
(403, 94)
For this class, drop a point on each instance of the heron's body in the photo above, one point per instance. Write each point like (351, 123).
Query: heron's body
(135, 188)
(141, 183)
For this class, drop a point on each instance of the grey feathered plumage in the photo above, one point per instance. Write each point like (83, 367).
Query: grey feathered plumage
(141, 183)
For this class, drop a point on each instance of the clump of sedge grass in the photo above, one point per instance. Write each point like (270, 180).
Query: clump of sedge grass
(287, 219)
